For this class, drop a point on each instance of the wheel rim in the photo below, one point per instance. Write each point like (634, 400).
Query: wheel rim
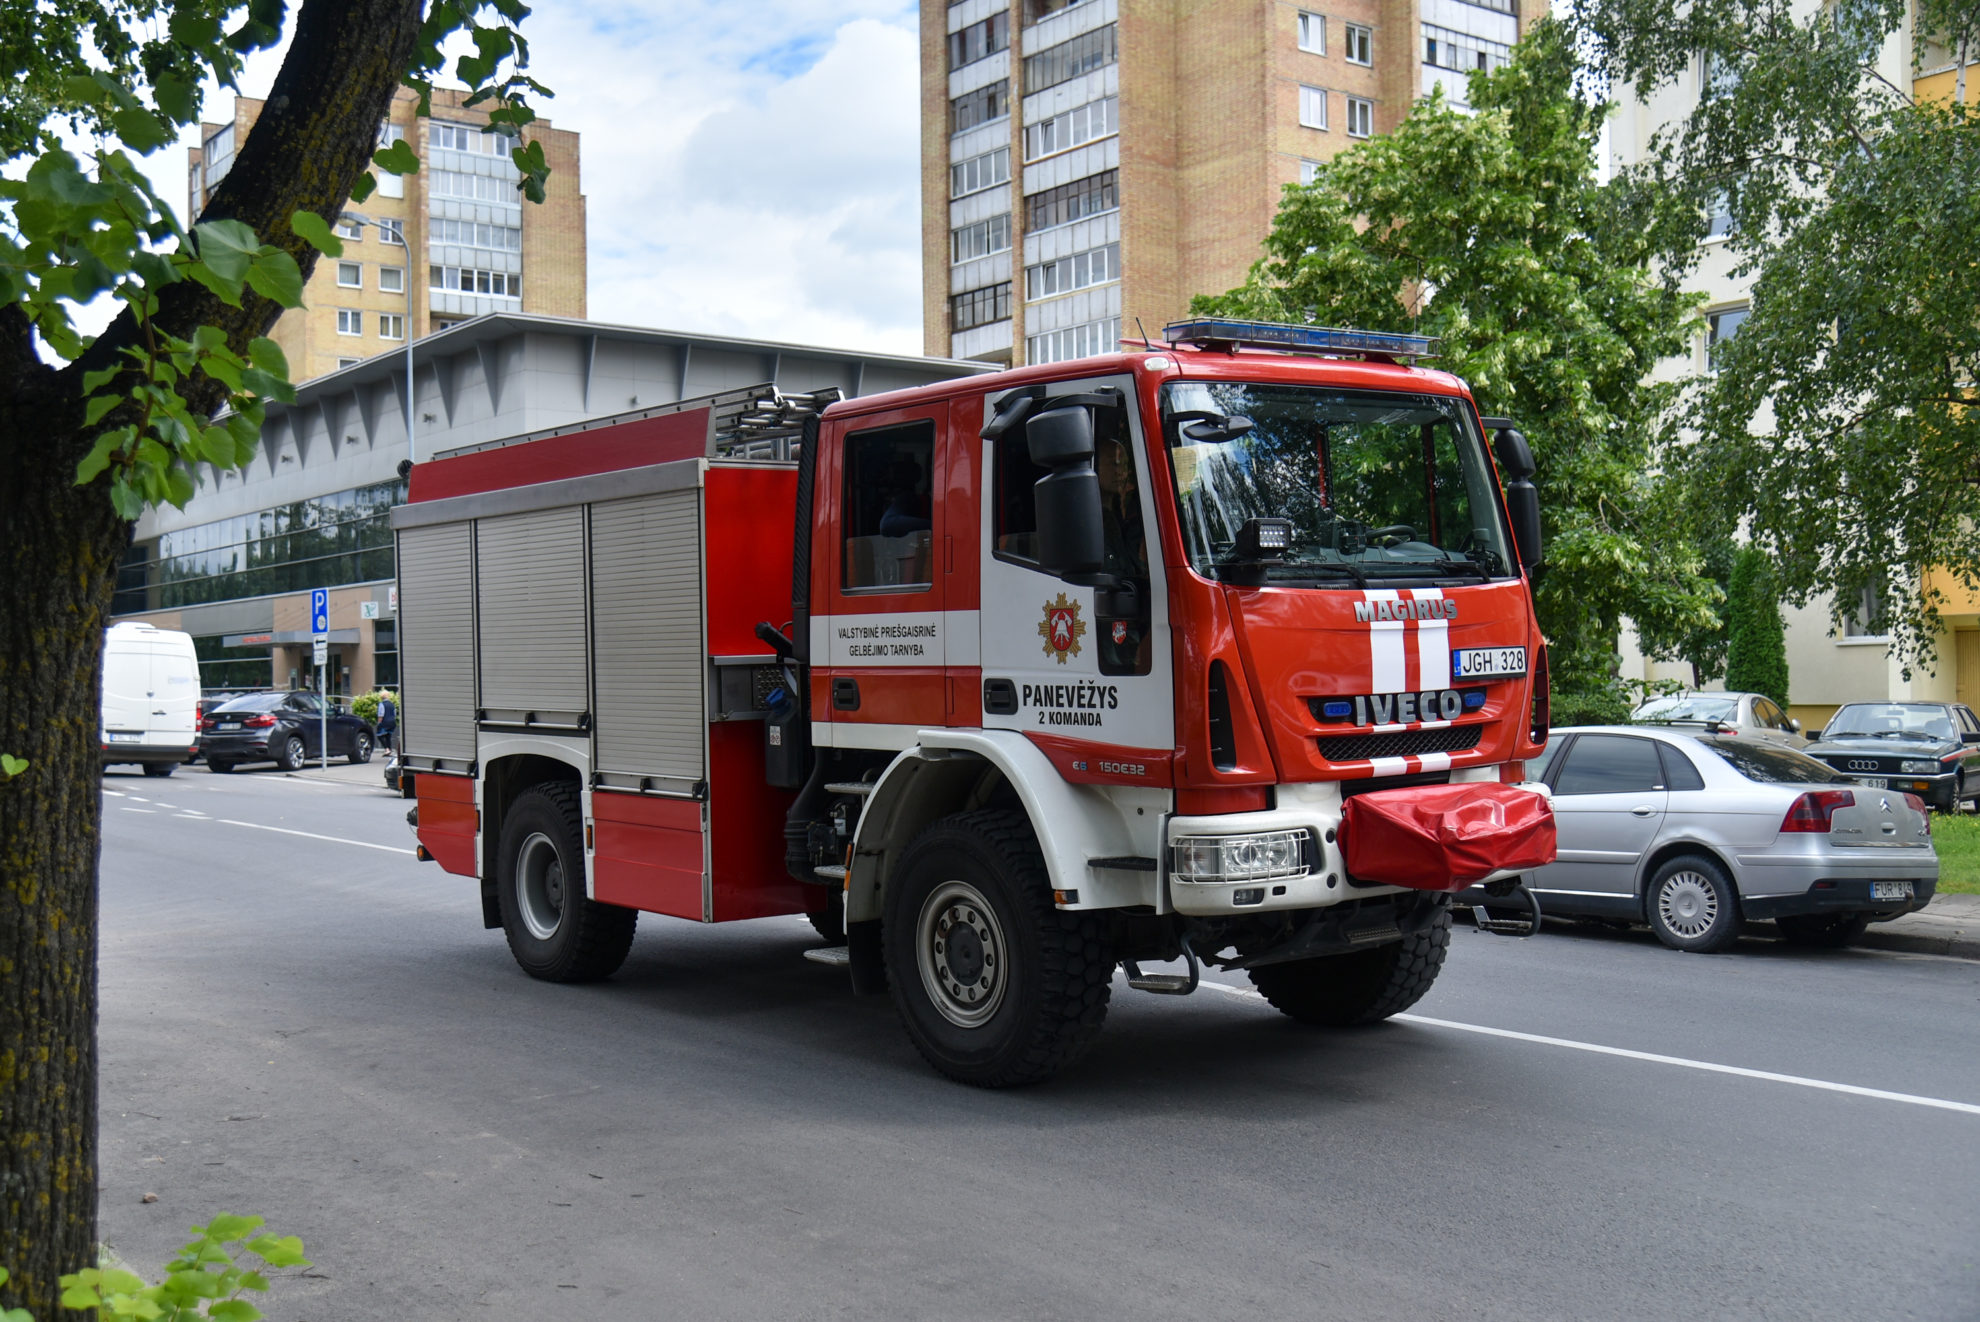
(1688, 903)
(363, 747)
(540, 886)
(293, 751)
(961, 952)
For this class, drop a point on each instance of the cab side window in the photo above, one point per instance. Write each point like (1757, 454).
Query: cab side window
(889, 509)
(1015, 533)
(1610, 764)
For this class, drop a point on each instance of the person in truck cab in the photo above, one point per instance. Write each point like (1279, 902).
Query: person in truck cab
(1124, 640)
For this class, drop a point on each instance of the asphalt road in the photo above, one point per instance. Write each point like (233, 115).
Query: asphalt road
(307, 1024)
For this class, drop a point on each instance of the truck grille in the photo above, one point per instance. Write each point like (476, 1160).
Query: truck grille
(1405, 743)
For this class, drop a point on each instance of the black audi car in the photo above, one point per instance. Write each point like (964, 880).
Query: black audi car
(1931, 749)
(284, 728)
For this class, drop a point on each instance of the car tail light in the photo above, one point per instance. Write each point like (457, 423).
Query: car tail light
(1917, 805)
(1813, 811)
(260, 722)
(208, 722)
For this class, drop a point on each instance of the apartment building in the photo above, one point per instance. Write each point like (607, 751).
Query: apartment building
(453, 241)
(1088, 167)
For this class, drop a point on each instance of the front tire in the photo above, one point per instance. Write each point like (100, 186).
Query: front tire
(290, 757)
(1360, 987)
(995, 986)
(1691, 905)
(556, 932)
(1823, 931)
(360, 748)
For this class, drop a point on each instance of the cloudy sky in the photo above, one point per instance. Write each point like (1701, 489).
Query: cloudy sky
(750, 169)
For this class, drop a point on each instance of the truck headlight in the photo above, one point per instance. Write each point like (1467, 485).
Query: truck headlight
(1255, 857)
(1919, 768)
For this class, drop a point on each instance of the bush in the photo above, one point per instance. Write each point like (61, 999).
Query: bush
(365, 705)
(205, 1280)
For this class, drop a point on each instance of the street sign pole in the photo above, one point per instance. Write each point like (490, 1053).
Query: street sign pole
(319, 626)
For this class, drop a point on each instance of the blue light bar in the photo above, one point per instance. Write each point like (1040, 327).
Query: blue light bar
(1337, 709)
(1474, 699)
(1222, 331)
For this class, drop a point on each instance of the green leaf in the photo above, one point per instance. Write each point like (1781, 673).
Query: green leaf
(177, 97)
(227, 291)
(268, 386)
(267, 355)
(98, 458)
(98, 406)
(234, 1310)
(311, 228)
(396, 159)
(11, 766)
(276, 277)
(365, 184)
(139, 128)
(101, 377)
(227, 246)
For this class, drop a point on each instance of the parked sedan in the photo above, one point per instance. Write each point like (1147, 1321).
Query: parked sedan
(1931, 749)
(283, 728)
(1694, 833)
(1752, 714)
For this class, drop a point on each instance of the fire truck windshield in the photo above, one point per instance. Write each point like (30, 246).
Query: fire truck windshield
(1377, 485)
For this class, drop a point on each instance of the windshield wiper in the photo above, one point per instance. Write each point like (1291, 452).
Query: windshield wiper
(1435, 568)
(1312, 569)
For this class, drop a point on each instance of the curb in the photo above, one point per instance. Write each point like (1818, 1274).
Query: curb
(1957, 943)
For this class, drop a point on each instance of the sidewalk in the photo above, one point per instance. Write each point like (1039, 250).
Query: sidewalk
(370, 775)
(1949, 925)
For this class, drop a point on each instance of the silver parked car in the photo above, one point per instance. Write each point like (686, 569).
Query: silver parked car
(1692, 833)
(1751, 714)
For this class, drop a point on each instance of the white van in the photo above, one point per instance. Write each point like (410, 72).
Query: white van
(150, 697)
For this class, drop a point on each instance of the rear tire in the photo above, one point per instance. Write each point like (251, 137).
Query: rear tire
(157, 769)
(360, 748)
(291, 756)
(830, 922)
(1824, 931)
(556, 932)
(995, 986)
(220, 767)
(1360, 987)
(1691, 905)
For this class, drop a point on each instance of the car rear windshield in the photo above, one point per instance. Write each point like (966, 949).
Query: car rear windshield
(1772, 765)
(252, 702)
(1691, 708)
(1891, 720)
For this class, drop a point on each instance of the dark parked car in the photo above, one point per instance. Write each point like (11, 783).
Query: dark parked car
(283, 728)
(1931, 749)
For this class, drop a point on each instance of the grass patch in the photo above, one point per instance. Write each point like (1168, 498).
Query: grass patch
(1957, 838)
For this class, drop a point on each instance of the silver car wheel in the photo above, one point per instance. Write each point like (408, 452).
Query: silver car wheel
(961, 953)
(1688, 903)
(540, 886)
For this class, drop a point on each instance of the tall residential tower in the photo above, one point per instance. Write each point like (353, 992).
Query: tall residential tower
(1092, 165)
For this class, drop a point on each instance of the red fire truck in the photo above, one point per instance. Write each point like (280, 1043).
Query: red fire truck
(1221, 651)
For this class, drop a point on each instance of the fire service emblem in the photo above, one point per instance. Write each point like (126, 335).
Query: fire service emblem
(1062, 628)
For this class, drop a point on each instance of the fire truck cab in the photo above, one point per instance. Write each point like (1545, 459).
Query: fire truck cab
(1220, 651)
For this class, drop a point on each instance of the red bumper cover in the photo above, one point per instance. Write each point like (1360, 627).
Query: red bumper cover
(1445, 837)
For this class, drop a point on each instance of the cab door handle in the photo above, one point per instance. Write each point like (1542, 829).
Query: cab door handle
(1641, 810)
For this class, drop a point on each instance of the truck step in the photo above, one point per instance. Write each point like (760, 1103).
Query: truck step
(860, 787)
(833, 955)
(830, 871)
(1164, 984)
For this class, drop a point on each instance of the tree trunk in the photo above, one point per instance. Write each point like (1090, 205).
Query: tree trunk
(59, 548)
(60, 545)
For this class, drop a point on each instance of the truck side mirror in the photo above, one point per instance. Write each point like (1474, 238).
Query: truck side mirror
(1071, 542)
(1515, 458)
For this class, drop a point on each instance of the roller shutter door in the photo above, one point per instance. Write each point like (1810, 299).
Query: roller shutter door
(436, 641)
(532, 614)
(648, 632)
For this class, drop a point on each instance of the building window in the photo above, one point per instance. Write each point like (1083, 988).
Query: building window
(474, 234)
(390, 185)
(479, 187)
(1308, 171)
(1095, 119)
(1313, 33)
(1866, 617)
(979, 107)
(466, 137)
(342, 363)
(980, 307)
(1361, 117)
(392, 279)
(218, 155)
(1718, 220)
(1095, 266)
(1720, 327)
(392, 231)
(1313, 107)
(1074, 201)
(391, 326)
(1716, 78)
(979, 40)
(980, 172)
(1360, 44)
(470, 280)
(349, 229)
(350, 275)
(1069, 59)
(1462, 52)
(350, 321)
(981, 239)
(1074, 342)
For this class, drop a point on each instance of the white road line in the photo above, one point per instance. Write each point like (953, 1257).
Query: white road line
(147, 811)
(311, 835)
(1821, 1085)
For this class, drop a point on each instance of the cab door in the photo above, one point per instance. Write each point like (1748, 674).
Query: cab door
(880, 642)
(1084, 672)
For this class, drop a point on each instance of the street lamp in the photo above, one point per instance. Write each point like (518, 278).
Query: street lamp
(388, 233)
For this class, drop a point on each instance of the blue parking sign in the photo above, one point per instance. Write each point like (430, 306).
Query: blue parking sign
(319, 610)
